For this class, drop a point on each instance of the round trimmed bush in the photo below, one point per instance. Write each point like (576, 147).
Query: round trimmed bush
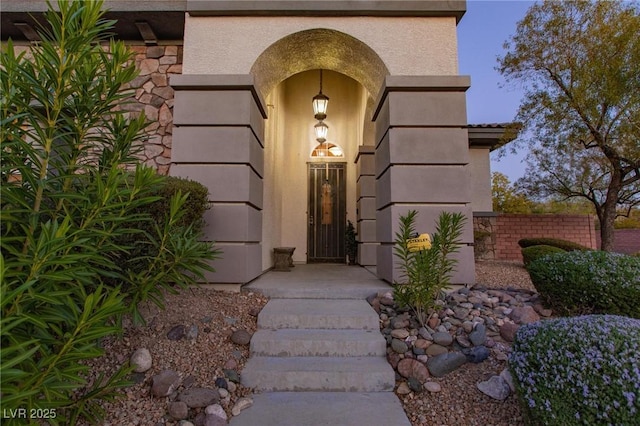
(578, 371)
(555, 242)
(582, 282)
(529, 254)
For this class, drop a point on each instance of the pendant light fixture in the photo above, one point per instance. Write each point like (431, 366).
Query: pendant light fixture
(321, 130)
(320, 103)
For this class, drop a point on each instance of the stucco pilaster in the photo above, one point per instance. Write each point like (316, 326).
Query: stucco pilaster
(366, 200)
(219, 141)
(422, 159)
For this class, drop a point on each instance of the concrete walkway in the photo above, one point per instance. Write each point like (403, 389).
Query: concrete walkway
(318, 357)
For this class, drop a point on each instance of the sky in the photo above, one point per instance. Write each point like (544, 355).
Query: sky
(481, 34)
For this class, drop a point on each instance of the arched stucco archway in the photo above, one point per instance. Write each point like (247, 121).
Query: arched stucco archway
(320, 49)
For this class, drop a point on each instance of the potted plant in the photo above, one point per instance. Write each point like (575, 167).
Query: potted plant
(350, 243)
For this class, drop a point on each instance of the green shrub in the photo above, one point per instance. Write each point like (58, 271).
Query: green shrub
(554, 242)
(578, 371)
(156, 213)
(581, 282)
(426, 273)
(66, 204)
(532, 253)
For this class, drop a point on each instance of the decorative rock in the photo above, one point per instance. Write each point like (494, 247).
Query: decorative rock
(421, 343)
(508, 379)
(425, 334)
(461, 313)
(443, 364)
(400, 333)
(443, 339)
(403, 389)
(524, 315)
(165, 383)
(415, 385)
(231, 387)
(479, 335)
(233, 376)
(495, 387)
(399, 346)
(223, 393)
(177, 332)
(221, 383)
(422, 358)
(185, 423)
(433, 322)
(412, 368)
(394, 359)
(192, 334)
(141, 358)
(178, 410)
(216, 415)
(436, 349)
(241, 337)
(477, 355)
(432, 387)
(231, 364)
(199, 397)
(463, 341)
(242, 404)
(508, 331)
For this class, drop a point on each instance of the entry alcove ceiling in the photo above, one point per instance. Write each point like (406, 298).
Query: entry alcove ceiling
(319, 49)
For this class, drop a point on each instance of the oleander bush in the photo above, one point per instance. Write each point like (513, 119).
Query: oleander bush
(67, 203)
(554, 242)
(578, 371)
(581, 282)
(426, 273)
(531, 253)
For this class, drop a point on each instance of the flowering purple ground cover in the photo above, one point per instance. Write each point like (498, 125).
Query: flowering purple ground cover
(580, 370)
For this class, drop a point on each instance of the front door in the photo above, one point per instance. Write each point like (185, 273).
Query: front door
(327, 212)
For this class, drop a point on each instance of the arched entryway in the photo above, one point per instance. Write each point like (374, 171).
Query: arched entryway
(309, 196)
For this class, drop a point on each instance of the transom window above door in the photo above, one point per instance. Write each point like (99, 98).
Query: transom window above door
(327, 149)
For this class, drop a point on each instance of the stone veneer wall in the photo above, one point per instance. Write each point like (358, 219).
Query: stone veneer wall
(154, 96)
(497, 235)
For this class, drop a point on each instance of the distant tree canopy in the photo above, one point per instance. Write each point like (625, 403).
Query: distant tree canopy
(580, 64)
(506, 198)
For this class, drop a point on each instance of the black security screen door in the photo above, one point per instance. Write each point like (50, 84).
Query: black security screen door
(326, 212)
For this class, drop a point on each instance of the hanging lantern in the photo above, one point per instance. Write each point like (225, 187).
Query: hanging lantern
(320, 103)
(322, 130)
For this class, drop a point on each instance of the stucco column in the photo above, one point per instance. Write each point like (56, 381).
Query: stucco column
(422, 158)
(366, 205)
(218, 141)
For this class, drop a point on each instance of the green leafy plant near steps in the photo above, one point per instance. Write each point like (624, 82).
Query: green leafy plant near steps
(67, 204)
(426, 273)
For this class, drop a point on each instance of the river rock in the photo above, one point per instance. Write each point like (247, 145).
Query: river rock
(400, 333)
(141, 358)
(177, 332)
(443, 339)
(165, 383)
(479, 335)
(495, 387)
(432, 387)
(524, 315)
(215, 415)
(443, 364)
(178, 410)
(199, 397)
(241, 337)
(399, 346)
(412, 368)
(508, 331)
(242, 404)
(436, 349)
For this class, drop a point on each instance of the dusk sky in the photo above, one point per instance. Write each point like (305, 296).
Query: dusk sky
(481, 35)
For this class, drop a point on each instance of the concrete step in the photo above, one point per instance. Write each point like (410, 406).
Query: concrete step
(309, 342)
(323, 409)
(318, 314)
(324, 374)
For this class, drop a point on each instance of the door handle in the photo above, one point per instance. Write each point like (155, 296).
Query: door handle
(311, 220)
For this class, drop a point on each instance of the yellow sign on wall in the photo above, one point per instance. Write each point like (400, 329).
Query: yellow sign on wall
(423, 242)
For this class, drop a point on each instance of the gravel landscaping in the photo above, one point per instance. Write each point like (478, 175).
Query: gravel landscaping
(192, 338)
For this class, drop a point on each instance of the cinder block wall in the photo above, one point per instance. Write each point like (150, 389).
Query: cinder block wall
(507, 229)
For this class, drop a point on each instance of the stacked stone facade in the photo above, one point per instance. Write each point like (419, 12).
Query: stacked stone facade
(155, 97)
